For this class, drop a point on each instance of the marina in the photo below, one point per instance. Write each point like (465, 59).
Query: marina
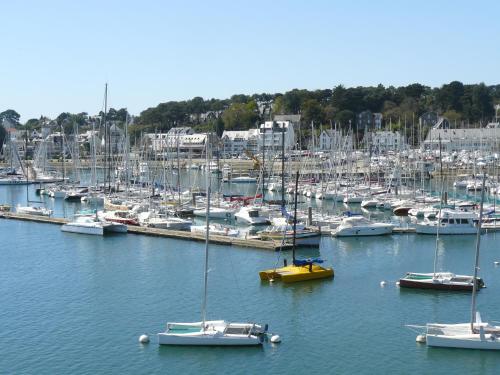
(228, 188)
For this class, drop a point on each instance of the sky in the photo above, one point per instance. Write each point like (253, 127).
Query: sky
(57, 55)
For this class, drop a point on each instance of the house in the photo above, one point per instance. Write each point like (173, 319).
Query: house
(364, 120)
(234, 142)
(331, 139)
(383, 141)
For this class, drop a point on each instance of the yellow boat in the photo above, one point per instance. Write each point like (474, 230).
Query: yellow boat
(296, 272)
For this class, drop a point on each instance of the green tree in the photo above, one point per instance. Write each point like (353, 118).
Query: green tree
(11, 116)
(240, 116)
(312, 111)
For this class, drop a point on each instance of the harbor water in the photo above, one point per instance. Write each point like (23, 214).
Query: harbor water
(76, 304)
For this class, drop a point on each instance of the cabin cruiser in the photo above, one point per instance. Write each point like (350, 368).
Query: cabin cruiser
(450, 222)
(251, 215)
(149, 219)
(360, 226)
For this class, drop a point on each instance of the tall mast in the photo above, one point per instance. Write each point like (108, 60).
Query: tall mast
(440, 210)
(476, 261)
(263, 162)
(295, 215)
(207, 232)
(106, 171)
(282, 163)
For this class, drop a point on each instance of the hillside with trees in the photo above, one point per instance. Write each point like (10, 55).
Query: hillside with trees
(471, 104)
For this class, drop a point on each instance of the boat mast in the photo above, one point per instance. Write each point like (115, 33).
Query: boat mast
(282, 163)
(207, 232)
(295, 215)
(27, 169)
(263, 163)
(440, 210)
(476, 262)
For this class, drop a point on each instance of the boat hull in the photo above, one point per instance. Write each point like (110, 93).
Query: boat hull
(358, 232)
(292, 273)
(97, 230)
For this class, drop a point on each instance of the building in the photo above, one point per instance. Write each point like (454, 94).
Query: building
(332, 140)
(182, 140)
(272, 138)
(428, 119)
(377, 121)
(383, 141)
(234, 142)
(364, 120)
(482, 139)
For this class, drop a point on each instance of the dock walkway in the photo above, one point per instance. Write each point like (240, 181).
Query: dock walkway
(181, 235)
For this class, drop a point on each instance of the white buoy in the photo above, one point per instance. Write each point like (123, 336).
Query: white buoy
(420, 338)
(397, 283)
(275, 339)
(496, 263)
(382, 283)
(144, 339)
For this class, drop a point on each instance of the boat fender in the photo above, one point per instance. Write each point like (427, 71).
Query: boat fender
(275, 339)
(420, 338)
(144, 339)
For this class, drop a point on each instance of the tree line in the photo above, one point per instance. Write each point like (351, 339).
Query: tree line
(400, 106)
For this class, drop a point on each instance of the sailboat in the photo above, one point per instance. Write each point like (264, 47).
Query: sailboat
(300, 269)
(473, 335)
(440, 280)
(211, 332)
(30, 210)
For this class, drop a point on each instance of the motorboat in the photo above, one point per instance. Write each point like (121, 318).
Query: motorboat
(30, 210)
(251, 215)
(450, 222)
(284, 233)
(117, 216)
(149, 220)
(360, 226)
(215, 229)
(215, 213)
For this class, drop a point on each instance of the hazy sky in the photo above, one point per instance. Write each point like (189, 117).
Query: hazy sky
(57, 55)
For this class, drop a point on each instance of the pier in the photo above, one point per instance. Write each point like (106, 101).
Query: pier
(252, 242)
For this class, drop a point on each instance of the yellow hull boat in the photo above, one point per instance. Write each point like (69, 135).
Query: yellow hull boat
(294, 273)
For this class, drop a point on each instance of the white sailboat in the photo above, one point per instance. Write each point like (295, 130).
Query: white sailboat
(472, 335)
(211, 332)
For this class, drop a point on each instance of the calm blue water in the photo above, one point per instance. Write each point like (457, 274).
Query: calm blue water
(74, 304)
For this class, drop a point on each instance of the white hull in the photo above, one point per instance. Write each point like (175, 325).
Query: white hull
(457, 230)
(215, 213)
(75, 228)
(216, 333)
(377, 230)
(460, 336)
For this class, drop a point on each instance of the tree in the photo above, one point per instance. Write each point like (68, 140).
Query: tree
(3, 135)
(240, 116)
(450, 95)
(11, 116)
(311, 111)
(344, 117)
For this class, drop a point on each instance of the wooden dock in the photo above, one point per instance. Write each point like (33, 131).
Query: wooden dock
(253, 242)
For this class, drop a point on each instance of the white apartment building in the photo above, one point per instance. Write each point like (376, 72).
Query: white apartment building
(482, 139)
(271, 135)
